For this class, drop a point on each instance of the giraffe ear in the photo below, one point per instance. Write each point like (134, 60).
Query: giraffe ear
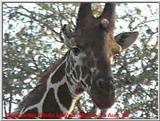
(126, 39)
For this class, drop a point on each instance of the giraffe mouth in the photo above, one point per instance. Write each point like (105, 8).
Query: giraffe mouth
(104, 101)
(103, 97)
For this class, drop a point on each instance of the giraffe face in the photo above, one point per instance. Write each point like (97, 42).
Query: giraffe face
(89, 65)
(89, 62)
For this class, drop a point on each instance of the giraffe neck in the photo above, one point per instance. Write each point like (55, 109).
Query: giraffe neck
(53, 95)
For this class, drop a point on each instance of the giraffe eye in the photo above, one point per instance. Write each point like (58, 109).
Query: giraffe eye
(76, 51)
(116, 56)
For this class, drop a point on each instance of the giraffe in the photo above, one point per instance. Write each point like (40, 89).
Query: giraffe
(85, 67)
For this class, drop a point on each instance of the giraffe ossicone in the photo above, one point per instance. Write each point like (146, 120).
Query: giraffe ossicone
(85, 67)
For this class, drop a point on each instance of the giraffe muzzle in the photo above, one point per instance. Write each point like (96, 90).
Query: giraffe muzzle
(103, 92)
(105, 84)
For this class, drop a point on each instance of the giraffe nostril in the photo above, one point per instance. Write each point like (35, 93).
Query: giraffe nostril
(105, 84)
(101, 83)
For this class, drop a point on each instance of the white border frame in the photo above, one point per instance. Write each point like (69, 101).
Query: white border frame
(70, 1)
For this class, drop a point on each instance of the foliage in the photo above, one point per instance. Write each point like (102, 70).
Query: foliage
(32, 40)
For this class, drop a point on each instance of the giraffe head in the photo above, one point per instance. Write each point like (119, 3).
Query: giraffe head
(91, 49)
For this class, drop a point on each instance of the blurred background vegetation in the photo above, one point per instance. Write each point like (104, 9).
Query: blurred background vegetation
(32, 40)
